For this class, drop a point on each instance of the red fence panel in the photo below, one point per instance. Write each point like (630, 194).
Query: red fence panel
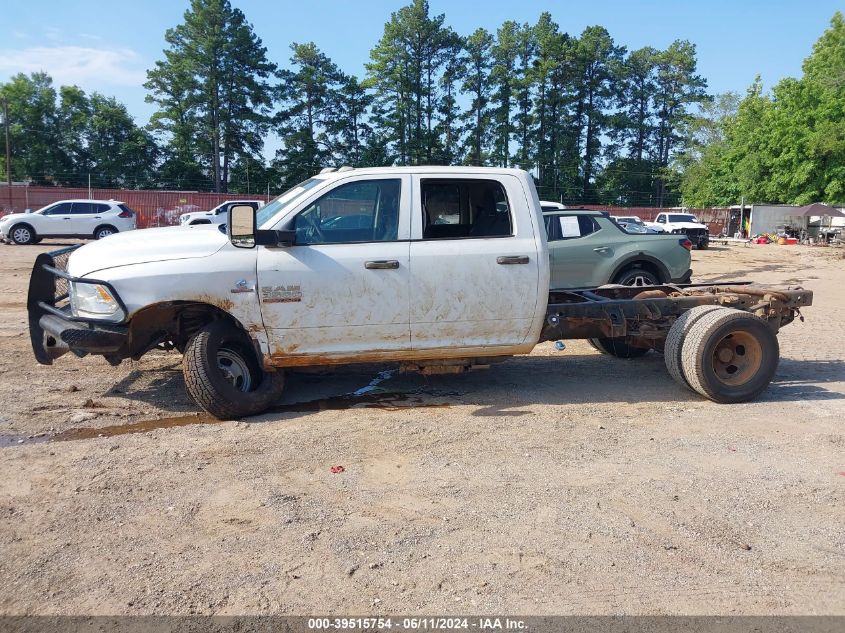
(154, 208)
(716, 219)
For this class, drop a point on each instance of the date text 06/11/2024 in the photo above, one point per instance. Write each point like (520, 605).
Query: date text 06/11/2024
(416, 624)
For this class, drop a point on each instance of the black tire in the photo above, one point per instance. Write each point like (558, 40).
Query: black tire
(22, 234)
(673, 347)
(730, 356)
(618, 347)
(228, 394)
(104, 231)
(637, 277)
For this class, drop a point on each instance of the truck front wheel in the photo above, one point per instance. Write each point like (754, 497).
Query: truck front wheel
(223, 376)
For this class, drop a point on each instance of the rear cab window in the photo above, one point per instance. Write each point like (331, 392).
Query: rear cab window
(464, 208)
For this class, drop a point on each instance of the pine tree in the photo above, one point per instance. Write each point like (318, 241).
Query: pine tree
(212, 88)
(477, 85)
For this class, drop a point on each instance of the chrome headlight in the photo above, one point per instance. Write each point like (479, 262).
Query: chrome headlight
(94, 301)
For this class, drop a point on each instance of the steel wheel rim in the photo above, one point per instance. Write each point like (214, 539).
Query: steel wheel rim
(21, 235)
(235, 369)
(737, 358)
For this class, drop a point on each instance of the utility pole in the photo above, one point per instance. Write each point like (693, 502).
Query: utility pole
(8, 150)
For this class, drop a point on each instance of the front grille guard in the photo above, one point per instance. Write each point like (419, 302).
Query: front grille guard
(49, 288)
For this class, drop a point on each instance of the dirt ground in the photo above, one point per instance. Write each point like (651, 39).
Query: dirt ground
(556, 483)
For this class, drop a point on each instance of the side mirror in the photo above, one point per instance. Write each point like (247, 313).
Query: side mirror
(241, 226)
(27, 210)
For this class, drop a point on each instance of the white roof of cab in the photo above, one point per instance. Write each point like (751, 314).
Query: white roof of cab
(426, 169)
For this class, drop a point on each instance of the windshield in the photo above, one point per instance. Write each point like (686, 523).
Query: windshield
(629, 220)
(286, 199)
(683, 218)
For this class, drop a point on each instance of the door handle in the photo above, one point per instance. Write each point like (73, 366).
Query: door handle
(382, 264)
(602, 249)
(512, 259)
(66, 218)
(96, 217)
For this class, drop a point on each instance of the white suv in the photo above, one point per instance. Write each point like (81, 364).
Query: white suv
(68, 218)
(218, 215)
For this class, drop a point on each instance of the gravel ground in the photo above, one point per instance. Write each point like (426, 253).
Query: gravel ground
(555, 483)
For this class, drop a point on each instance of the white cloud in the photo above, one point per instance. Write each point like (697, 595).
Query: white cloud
(87, 67)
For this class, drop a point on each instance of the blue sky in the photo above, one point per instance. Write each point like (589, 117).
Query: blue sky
(108, 47)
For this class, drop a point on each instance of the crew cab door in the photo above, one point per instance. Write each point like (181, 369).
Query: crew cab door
(342, 289)
(474, 266)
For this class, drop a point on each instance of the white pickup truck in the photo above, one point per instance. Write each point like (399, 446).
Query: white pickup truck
(682, 224)
(438, 268)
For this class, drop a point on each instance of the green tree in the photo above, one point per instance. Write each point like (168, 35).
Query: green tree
(599, 60)
(523, 82)
(446, 137)
(308, 95)
(503, 78)
(212, 88)
(785, 148)
(74, 117)
(678, 89)
(121, 153)
(405, 71)
(477, 84)
(349, 130)
(34, 129)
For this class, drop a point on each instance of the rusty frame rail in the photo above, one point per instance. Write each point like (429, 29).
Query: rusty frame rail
(646, 315)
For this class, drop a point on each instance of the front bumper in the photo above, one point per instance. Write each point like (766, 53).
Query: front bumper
(53, 330)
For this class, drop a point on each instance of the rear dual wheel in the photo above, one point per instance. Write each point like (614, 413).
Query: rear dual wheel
(725, 355)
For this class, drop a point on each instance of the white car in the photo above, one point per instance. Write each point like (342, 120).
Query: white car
(218, 215)
(69, 218)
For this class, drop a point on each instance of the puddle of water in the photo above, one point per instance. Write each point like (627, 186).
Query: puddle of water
(371, 399)
(380, 378)
(389, 401)
(20, 440)
(86, 433)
